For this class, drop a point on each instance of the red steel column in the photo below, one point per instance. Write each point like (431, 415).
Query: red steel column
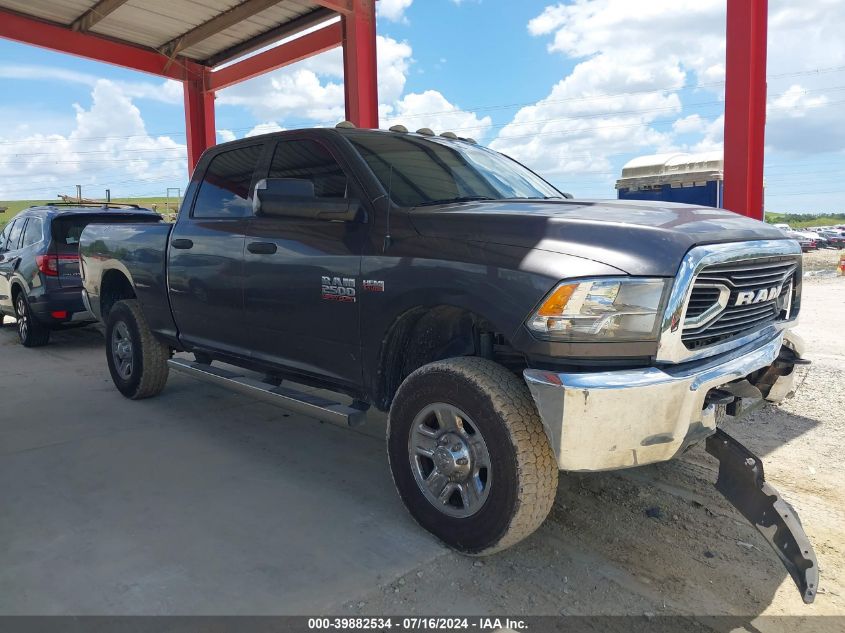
(745, 106)
(199, 117)
(360, 77)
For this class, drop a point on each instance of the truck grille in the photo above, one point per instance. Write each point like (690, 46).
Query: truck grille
(732, 299)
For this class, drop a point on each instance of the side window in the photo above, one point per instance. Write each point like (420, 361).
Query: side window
(15, 234)
(224, 191)
(311, 161)
(33, 233)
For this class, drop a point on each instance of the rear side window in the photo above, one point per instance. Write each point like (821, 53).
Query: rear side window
(224, 192)
(34, 232)
(15, 234)
(68, 229)
(310, 161)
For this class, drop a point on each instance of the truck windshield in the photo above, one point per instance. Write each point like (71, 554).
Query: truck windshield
(430, 171)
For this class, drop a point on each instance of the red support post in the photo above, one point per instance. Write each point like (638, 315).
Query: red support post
(360, 77)
(199, 118)
(745, 106)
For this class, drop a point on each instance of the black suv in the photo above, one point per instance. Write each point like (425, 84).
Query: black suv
(40, 283)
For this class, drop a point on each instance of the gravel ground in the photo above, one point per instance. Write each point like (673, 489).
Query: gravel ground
(823, 260)
(659, 540)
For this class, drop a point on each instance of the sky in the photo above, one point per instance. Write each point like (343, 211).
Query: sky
(572, 89)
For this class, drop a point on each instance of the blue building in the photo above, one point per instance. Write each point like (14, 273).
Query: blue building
(691, 178)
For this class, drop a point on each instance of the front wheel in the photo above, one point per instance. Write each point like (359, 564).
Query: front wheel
(469, 455)
(137, 360)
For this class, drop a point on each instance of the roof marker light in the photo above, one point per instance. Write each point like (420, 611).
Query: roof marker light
(450, 135)
(346, 125)
(425, 131)
(399, 128)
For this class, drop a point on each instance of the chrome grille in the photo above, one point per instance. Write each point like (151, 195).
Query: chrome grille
(731, 299)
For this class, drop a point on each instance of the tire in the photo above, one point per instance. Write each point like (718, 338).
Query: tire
(137, 360)
(31, 332)
(504, 501)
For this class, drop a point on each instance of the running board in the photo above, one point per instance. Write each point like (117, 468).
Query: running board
(308, 404)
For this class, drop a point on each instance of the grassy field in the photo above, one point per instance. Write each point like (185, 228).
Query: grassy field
(16, 206)
(803, 220)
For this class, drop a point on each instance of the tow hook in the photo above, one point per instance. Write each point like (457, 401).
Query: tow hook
(742, 483)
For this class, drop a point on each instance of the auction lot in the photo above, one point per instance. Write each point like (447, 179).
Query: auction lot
(205, 502)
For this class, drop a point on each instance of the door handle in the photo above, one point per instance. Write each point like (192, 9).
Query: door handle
(181, 243)
(261, 248)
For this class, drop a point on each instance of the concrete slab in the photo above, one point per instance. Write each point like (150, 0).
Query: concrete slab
(198, 501)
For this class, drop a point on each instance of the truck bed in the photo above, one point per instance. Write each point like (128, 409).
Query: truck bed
(139, 251)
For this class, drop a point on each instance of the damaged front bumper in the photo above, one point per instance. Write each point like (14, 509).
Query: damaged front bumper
(617, 419)
(742, 483)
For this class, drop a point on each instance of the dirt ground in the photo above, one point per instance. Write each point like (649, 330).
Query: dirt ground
(660, 540)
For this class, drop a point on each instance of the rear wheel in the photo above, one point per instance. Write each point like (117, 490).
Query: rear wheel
(31, 332)
(137, 360)
(469, 455)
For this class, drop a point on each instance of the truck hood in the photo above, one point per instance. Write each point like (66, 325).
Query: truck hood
(637, 237)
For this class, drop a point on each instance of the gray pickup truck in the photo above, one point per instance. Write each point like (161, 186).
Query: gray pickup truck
(510, 330)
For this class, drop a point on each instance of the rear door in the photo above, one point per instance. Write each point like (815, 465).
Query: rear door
(295, 268)
(205, 256)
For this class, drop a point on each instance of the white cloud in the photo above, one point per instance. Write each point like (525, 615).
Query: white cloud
(431, 109)
(265, 128)
(109, 145)
(226, 135)
(165, 91)
(312, 90)
(623, 94)
(311, 93)
(689, 124)
(393, 10)
(634, 62)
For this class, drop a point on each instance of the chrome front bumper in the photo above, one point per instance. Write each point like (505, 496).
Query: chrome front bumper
(618, 419)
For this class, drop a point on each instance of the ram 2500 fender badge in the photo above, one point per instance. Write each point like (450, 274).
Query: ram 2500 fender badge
(749, 297)
(373, 285)
(338, 289)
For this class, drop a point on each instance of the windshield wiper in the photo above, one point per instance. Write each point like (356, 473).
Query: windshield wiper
(536, 198)
(458, 199)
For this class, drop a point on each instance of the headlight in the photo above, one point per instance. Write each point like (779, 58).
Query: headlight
(610, 308)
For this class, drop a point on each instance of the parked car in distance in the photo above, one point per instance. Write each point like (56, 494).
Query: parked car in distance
(836, 239)
(818, 239)
(40, 284)
(807, 243)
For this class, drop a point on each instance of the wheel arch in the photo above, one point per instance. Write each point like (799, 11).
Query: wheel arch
(424, 334)
(116, 285)
(15, 290)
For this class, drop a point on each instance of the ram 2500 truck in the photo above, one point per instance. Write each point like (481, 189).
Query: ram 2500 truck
(509, 330)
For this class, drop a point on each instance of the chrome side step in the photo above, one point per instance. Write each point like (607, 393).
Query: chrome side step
(311, 405)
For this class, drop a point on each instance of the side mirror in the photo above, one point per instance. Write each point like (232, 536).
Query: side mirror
(295, 198)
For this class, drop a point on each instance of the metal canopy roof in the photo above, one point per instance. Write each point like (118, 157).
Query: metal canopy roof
(209, 32)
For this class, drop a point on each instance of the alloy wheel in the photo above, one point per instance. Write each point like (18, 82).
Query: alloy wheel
(450, 460)
(121, 349)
